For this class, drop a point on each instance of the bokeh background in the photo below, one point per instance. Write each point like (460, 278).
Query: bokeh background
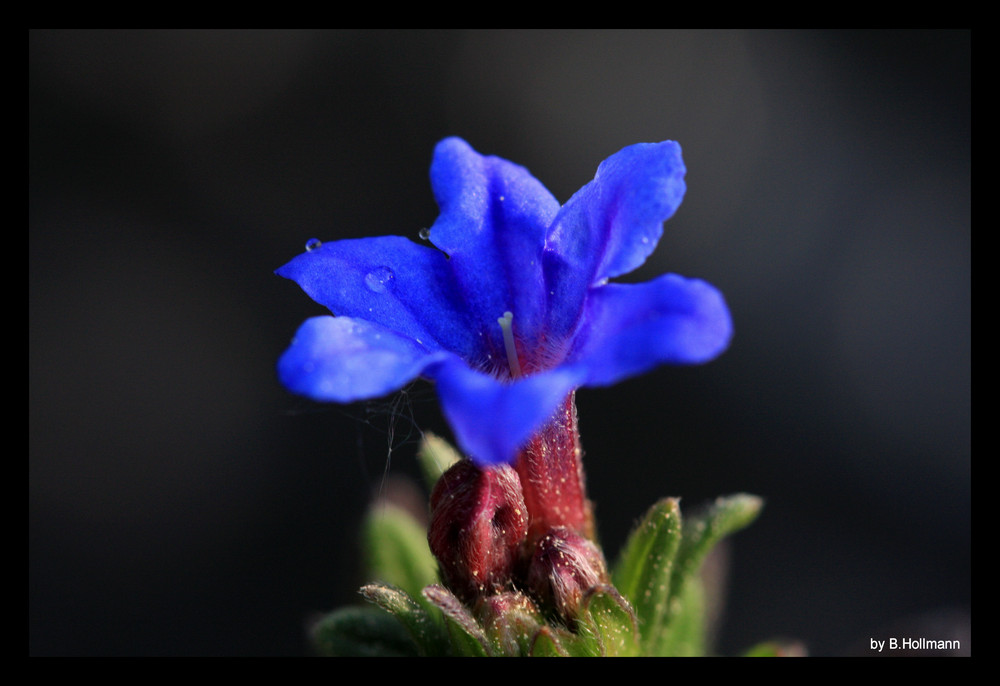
(181, 502)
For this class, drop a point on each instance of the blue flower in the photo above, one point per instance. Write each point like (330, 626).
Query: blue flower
(511, 309)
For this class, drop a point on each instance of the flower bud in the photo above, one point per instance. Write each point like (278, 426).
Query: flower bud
(564, 567)
(478, 522)
(511, 621)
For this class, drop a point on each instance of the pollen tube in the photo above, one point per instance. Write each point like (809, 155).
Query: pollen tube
(508, 343)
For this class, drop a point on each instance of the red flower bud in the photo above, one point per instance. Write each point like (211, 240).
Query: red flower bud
(511, 621)
(564, 567)
(478, 522)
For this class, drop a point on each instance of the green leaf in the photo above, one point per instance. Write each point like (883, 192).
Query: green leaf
(422, 627)
(644, 569)
(686, 618)
(511, 622)
(435, 456)
(685, 634)
(777, 649)
(724, 517)
(395, 549)
(658, 571)
(467, 636)
(609, 619)
(547, 643)
(362, 632)
(582, 643)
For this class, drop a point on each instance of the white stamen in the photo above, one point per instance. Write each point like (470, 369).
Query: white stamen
(508, 343)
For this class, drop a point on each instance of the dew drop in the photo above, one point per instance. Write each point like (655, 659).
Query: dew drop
(313, 244)
(380, 279)
(425, 234)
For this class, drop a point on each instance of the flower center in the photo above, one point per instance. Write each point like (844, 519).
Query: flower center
(508, 343)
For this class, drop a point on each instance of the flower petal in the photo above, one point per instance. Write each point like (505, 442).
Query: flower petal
(611, 225)
(492, 419)
(392, 281)
(340, 359)
(631, 328)
(494, 216)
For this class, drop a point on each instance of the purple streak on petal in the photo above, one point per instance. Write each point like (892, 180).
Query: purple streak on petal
(494, 216)
(392, 281)
(492, 419)
(631, 328)
(611, 225)
(339, 359)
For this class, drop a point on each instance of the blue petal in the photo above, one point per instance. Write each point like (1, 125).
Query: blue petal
(492, 419)
(493, 221)
(392, 281)
(340, 359)
(611, 225)
(631, 328)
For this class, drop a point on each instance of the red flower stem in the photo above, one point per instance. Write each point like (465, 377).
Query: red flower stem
(551, 470)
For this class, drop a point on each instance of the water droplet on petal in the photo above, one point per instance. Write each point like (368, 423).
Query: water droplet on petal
(380, 279)
(425, 234)
(313, 244)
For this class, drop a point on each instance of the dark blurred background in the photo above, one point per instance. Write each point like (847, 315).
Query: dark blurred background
(182, 502)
